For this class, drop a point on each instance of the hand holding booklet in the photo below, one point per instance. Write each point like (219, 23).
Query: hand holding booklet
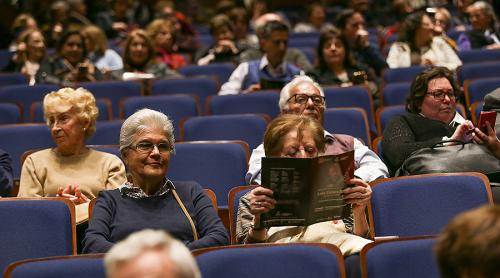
(307, 190)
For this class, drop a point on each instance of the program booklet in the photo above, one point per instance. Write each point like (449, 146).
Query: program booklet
(307, 190)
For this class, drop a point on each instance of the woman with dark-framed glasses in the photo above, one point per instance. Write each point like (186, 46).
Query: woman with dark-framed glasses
(431, 117)
(149, 199)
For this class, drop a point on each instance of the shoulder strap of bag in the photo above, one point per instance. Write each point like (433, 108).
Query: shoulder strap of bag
(193, 228)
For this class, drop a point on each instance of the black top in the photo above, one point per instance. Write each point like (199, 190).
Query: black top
(409, 133)
(115, 216)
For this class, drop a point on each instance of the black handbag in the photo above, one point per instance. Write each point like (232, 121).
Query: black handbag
(459, 157)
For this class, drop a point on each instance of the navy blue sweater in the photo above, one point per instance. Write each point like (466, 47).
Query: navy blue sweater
(116, 216)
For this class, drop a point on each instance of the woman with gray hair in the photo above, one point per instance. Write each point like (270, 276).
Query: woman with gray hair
(149, 199)
(150, 253)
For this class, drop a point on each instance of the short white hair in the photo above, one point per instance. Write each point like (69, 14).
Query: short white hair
(298, 79)
(138, 243)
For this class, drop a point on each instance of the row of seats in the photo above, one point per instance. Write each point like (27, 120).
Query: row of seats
(401, 257)
(18, 138)
(408, 206)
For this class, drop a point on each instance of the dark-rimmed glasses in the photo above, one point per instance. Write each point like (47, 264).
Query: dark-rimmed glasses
(303, 99)
(440, 94)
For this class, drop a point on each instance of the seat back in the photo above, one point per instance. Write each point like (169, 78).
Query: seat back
(10, 113)
(106, 133)
(18, 138)
(218, 165)
(351, 121)
(245, 127)
(406, 74)
(385, 114)
(25, 95)
(479, 55)
(258, 102)
(12, 78)
(355, 96)
(221, 71)
(115, 91)
(81, 266)
(475, 110)
(36, 227)
(402, 257)
(424, 204)
(176, 107)
(233, 202)
(395, 93)
(271, 260)
(198, 86)
(475, 90)
(477, 70)
(103, 104)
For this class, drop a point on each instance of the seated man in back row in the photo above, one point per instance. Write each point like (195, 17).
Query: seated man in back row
(298, 97)
(269, 72)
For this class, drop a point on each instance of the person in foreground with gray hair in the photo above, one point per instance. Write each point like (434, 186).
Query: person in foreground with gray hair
(150, 253)
(149, 200)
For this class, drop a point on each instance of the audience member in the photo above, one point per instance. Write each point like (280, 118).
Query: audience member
(485, 31)
(352, 26)
(269, 72)
(468, 245)
(139, 60)
(239, 17)
(304, 96)
(77, 17)
(184, 32)
(6, 175)
(292, 55)
(336, 66)
(417, 45)
(431, 117)
(224, 48)
(104, 58)
(149, 199)
(21, 23)
(301, 136)
(57, 22)
(70, 64)
(162, 33)
(460, 19)
(150, 253)
(71, 169)
(316, 19)
(117, 21)
(442, 21)
(30, 53)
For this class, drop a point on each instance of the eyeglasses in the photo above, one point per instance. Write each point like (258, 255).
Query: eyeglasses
(147, 147)
(303, 99)
(439, 95)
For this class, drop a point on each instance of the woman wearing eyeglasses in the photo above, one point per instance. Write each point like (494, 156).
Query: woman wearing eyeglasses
(149, 199)
(71, 169)
(301, 136)
(431, 117)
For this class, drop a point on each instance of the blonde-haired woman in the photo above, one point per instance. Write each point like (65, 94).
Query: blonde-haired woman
(100, 55)
(71, 169)
(162, 33)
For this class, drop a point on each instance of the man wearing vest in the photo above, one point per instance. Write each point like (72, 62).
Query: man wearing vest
(269, 72)
(304, 96)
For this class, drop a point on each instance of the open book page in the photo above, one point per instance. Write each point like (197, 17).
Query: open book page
(307, 190)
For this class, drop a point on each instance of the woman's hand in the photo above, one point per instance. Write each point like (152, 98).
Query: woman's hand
(261, 200)
(358, 194)
(490, 139)
(224, 46)
(462, 132)
(73, 193)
